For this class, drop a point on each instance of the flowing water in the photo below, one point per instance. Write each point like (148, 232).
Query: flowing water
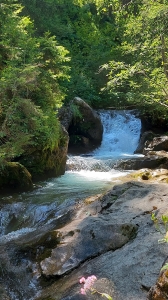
(85, 175)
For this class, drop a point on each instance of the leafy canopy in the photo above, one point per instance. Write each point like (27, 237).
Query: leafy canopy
(140, 75)
(32, 70)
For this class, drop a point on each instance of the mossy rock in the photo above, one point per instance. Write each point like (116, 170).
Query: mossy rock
(15, 176)
(144, 175)
(45, 163)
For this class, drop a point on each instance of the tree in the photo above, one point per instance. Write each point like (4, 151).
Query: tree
(31, 73)
(140, 76)
(88, 30)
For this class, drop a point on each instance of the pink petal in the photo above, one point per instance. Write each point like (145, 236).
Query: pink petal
(83, 292)
(94, 277)
(87, 286)
(82, 280)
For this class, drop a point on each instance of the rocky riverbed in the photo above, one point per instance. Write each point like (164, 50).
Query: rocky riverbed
(113, 237)
(110, 236)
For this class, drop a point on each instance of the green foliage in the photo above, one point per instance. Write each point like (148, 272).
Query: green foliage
(164, 222)
(140, 75)
(165, 267)
(32, 72)
(110, 53)
(162, 229)
(34, 129)
(75, 110)
(118, 50)
(88, 30)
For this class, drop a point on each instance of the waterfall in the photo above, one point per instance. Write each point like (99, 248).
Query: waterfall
(120, 138)
(121, 133)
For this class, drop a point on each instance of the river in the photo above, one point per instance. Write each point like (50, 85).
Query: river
(86, 175)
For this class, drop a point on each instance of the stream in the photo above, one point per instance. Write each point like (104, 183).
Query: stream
(86, 175)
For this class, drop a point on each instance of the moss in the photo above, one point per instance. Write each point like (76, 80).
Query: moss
(43, 163)
(91, 199)
(13, 175)
(146, 175)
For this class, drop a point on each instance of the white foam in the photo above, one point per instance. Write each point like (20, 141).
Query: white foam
(99, 176)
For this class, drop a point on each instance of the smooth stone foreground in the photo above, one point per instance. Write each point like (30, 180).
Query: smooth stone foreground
(93, 236)
(125, 273)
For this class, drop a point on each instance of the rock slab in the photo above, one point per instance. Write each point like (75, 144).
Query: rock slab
(128, 272)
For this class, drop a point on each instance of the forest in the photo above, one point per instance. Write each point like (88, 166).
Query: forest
(111, 53)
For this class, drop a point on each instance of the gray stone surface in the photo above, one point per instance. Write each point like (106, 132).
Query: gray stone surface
(110, 236)
(128, 272)
(93, 236)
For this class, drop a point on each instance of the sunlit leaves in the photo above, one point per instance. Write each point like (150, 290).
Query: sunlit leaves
(141, 72)
(31, 71)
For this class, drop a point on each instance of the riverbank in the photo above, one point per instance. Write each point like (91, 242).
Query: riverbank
(108, 235)
(112, 237)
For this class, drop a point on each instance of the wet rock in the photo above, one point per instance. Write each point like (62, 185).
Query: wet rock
(91, 120)
(156, 144)
(3, 294)
(150, 175)
(86, 236)
(20, 254)
(146, 136)
(100, 238)
(150, 141)
(153, 160)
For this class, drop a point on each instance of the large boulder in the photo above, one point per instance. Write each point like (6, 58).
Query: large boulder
(14, 176)
(151, 161)
(150, 141)
(34, 139)
(83, 125)
(147, 136)
(158, 143)
(44, 163)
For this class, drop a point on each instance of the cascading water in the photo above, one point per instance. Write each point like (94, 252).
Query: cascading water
(120, 138)
(121, 134)
(86, 175)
